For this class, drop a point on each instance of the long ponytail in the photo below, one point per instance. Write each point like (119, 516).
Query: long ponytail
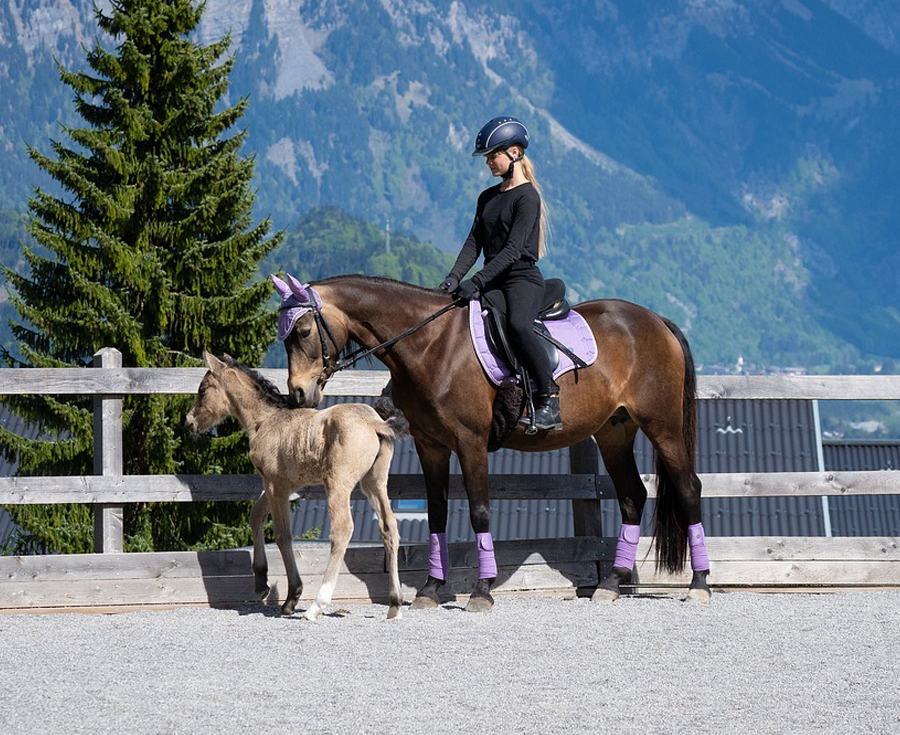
(544, 233)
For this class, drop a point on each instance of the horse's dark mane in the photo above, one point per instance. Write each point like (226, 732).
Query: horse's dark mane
(266, 388)
(377, 279)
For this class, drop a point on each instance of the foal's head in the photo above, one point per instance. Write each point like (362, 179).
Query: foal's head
(212, 403)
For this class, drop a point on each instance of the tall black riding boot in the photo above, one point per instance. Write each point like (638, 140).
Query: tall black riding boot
(546, 412)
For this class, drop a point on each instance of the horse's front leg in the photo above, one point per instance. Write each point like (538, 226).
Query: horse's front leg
(435, 461)
(260, 563)
(474, 463)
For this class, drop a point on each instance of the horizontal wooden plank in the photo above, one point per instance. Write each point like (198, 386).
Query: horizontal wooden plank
(119, 381)
(311, 559)
(511, 553)
(776, 573)
(192, 488)
(142, 381)
(225, 577)
(780, 484)
(813, 387)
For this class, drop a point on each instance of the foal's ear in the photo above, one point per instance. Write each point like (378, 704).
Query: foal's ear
(213, 362)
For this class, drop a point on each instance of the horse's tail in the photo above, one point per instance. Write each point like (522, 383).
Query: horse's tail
(671, 520)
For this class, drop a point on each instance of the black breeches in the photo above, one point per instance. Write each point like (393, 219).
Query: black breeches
(523, 290)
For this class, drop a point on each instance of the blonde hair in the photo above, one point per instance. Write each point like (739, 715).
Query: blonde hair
(544, 232)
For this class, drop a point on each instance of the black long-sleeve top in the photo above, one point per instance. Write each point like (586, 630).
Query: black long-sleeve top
(506, 229)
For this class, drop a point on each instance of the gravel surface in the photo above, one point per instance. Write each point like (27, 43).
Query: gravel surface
(746, 663)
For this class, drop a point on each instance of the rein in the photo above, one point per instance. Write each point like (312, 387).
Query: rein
(362, 352)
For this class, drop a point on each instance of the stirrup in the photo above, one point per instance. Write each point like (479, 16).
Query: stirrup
(528, 420)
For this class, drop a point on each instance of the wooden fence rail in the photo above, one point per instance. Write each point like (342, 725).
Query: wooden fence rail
(113, 578)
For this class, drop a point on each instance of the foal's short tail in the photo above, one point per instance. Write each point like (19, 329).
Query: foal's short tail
(671, 520)
(397, 425)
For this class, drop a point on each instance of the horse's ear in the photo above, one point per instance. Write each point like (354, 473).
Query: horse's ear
(298, 288)
(280, 286)
(213, 362)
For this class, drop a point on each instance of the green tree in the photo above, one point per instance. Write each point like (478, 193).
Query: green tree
(151, 250)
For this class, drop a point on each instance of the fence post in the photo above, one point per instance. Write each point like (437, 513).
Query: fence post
(108, 519)
(584, 460)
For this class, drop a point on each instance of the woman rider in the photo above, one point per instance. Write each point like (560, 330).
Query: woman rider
(509, 231)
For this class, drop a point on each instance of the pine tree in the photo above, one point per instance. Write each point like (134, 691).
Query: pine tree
(151, 250)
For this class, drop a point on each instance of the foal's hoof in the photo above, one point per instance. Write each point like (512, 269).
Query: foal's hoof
(394, 612)
(480, 604)
(602, 594)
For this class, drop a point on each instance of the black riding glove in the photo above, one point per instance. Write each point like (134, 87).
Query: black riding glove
(467, 290)
(449, 284)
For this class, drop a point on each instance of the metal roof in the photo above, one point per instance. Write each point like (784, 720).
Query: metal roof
(863, 515)
(17, 425)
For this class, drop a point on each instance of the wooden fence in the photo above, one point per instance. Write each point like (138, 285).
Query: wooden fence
(110, 578)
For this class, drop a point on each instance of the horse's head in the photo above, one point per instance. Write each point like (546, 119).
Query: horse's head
(212, 404)
(313, 334)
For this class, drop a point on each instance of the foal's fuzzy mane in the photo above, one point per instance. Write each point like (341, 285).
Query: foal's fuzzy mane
(266, 389)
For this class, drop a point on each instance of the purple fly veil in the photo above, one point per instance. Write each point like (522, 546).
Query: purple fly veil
(296, 300)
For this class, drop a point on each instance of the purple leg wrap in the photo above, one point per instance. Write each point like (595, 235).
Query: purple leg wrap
(487, 565)
(626, 547)
(699, 555)
(439, 557)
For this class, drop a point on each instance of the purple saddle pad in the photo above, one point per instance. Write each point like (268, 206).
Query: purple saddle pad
(573, 332)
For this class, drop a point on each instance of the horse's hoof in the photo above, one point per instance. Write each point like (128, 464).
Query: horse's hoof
(288, 608)
(479, 604)
(601, 594)
(394, 613)
(424, 602)
(698, 596)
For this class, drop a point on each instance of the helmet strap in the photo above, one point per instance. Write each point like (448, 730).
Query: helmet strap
(512, 165)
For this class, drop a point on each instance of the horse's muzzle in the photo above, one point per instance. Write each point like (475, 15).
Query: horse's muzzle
(303, 399)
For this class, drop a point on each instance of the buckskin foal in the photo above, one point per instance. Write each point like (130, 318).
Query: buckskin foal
(291, 447)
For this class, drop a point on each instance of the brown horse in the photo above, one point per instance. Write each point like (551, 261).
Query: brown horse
(643, 379)
(292, 447)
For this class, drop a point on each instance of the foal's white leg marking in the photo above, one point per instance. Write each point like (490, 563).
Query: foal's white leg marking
(374, 486)
(338, 496)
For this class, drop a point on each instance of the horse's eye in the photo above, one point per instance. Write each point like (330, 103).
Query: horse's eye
(304, 333)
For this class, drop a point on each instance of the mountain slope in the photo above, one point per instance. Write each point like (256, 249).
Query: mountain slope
(727, 164)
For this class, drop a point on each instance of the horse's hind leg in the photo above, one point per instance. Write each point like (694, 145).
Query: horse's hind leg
(374, 486)
(616, 442)
(260, 563)
(676, 471)
(337, 492)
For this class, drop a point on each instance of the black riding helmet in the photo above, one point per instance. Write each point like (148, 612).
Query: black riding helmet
(501, 132)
